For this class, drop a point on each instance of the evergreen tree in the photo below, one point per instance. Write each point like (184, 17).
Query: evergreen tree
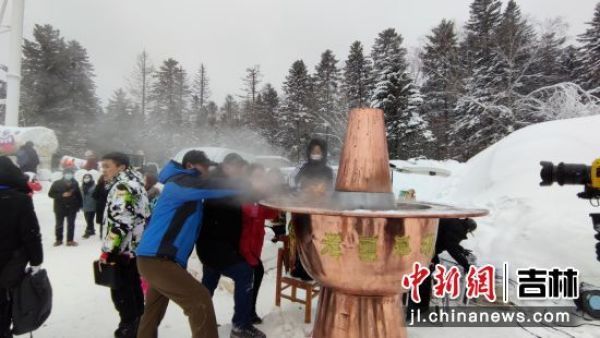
(326, 84)
(212, 110)
(357, 81)
(267, 104)
(120, 107)
(443, 84)
(169, 94)
(331, 114)
(476, 114)
(589, 66)
(296, 116)
(569, 62)
(395, 93)
(230, 112)
(552, 66)
(514, 56)
(58, 89)
(118, 129)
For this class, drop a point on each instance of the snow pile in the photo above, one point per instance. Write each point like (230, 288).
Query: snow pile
(531, 225)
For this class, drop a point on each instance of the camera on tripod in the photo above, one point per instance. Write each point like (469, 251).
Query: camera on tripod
(589, 177)
(574, 174)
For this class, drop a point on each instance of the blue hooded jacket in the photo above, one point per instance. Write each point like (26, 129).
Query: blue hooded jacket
(177, 217)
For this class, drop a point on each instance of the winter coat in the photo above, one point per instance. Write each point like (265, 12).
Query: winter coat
(451, 232)
(89, 202)
(27, 159)
(126, 212)
(100, 195)
(62, 204)
(253, 231)
(312, 169)
(177, 217)
(19, 229)
(219, 243)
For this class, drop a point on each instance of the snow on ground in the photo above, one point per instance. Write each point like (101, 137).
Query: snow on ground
(528, 226)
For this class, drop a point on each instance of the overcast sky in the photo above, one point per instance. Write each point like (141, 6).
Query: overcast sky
(230, 35)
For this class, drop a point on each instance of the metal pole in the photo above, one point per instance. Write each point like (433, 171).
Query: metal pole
(2, 11)
(13, 93)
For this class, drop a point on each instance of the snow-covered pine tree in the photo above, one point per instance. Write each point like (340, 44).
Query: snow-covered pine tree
(230, 114)
(296, 116)
(357, 80)
(472, 131)
(552, 62)
(569, 62)
(515, 53)
(331, 115)
(118, 128)
(589, 55)
(442, 86)
(267, 104)
(169, 118)
(326, 83)
(169, 94)
(212, 111)
(120, 107)
(58, 89)
(395, 93)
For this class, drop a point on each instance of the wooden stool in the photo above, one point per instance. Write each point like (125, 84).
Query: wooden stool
(285, 281)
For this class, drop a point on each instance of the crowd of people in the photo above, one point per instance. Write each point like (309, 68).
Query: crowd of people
(149, 233)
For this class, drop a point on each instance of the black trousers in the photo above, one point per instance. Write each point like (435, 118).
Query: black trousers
(89, 220)
(60, 221)
(5, 313)
(129, 298)
(259, 272)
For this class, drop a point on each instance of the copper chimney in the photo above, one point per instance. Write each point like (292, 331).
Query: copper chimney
(363, 179)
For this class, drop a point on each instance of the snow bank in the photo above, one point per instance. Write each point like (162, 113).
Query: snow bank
(531, 225)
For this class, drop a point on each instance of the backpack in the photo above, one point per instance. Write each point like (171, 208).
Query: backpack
(32, 302)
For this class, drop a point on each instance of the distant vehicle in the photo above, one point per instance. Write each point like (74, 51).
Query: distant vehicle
(273, 161)
(215, 154)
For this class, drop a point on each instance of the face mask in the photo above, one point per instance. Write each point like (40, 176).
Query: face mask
(68, 177)
(316, 157)
(86, 180)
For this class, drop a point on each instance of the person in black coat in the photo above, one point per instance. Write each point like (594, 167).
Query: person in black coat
(100, 195)
(20, 240)
(27, 158)
(315, 167)
(315, 178)
(218, 248)
(67, 202)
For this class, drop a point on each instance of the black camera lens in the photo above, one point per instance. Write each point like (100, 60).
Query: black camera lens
(564, 173)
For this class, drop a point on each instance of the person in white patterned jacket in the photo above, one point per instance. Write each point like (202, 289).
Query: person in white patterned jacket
(126, 213)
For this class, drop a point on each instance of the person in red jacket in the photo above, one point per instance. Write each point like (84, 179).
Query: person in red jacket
(253, 231)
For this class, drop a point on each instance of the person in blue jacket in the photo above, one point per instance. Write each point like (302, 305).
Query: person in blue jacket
(168, 241)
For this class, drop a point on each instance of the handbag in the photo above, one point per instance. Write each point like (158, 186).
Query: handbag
(108, 274)
(32, 302)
